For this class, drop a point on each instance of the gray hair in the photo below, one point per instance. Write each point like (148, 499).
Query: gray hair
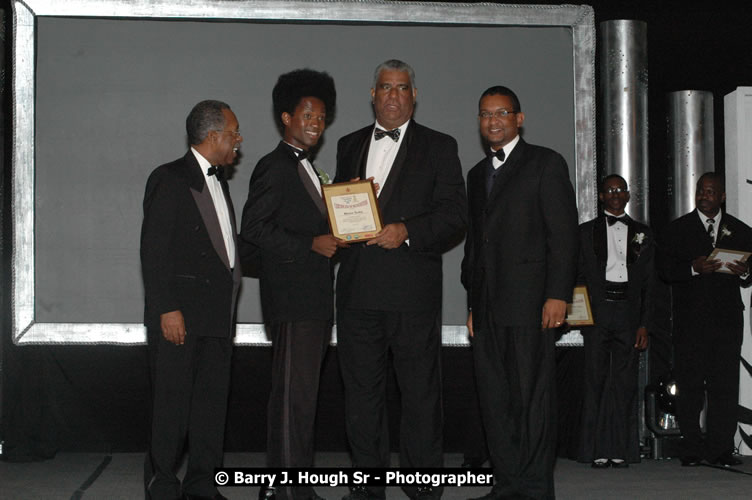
(203, 118)
(394, 64)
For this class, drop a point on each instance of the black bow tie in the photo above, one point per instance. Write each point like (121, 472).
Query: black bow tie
(613, 220)
(217, 170)
(500, 155)
(379, 134)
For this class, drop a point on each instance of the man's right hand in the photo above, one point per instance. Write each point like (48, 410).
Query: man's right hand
(173, 327)
(702, 265)
(470, 324)
(327, 245)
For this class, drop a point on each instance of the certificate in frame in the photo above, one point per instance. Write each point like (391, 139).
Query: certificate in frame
(353, 210)
(579, 312)
(726, 256)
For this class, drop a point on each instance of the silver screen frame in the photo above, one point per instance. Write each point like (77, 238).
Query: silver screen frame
(25, 330)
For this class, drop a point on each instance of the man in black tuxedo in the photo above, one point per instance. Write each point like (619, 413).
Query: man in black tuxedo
(519, 270)
(285, 218)
(389, 289)
(191, 277)
(708, 321)
(616, 264)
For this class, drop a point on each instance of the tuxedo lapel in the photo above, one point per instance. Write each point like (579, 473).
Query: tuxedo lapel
(701, 235)
(312, 191)
(633, 248)
(508, 170)
(600, 242)
(361, 160)
(399, 161)
(208, 213)
(291, 156)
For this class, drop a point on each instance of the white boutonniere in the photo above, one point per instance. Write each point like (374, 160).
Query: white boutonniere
(638, 238)
(323, 176)
(725, 231)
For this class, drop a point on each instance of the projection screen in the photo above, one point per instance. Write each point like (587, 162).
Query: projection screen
(101, 90)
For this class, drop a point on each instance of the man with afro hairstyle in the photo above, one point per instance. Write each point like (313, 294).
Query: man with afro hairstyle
(285, 221)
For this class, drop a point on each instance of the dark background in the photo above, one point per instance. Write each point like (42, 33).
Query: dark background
(95, 398)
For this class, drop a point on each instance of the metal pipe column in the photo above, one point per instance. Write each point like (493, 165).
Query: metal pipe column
(624, 104)
(690, 147)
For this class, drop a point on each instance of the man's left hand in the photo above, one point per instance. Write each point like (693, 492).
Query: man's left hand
(392, 236)
(641, 339)
(554, 312)
(738, 267)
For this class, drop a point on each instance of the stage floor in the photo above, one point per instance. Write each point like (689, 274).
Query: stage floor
(119, 476)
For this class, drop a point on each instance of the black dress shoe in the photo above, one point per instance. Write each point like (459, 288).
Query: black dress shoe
(491, 495)
(601, 464)
(690, 461)
(266, 493)
(727, 460)
(360, 493)
(621, 464)
(424, 493)
(216, 496)
(473, 462)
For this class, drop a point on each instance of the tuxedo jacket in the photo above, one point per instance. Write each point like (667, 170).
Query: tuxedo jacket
(183, 257)
(424, 190)
(715, 295)
(283, 213)
(522, 244)
(640, 268)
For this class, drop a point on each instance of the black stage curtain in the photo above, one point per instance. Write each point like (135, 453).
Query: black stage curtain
(96, 399)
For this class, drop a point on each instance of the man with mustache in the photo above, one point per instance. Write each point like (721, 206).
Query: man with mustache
(708, 321)
(192, 275)
(519, 270)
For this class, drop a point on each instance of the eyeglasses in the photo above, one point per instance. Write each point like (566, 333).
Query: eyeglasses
(499, 113)
(616, 190)
(235, 133)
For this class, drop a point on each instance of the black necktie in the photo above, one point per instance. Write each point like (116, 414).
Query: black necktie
(613, 220)
(217, 170)
(379, 134)
(302, 154)
(711, 231)
(500, 155)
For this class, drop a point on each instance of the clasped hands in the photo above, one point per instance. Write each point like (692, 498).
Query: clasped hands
(703, 265)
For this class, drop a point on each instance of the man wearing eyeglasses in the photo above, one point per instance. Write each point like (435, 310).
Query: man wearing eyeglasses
(519, 270)
(616, 264)
(191, 273)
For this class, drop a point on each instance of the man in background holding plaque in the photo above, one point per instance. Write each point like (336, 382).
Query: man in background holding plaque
(191, 272)
(519, 270)
(616, 264)
(285, 220)
(708, 321)
(389, 289)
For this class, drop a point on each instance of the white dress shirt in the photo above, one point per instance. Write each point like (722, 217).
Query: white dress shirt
(716, 225)
(381, 155)
(616, 238)
(507, 151)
